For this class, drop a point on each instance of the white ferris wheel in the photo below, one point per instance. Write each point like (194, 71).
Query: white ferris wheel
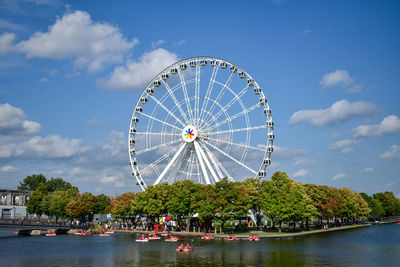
(201, 119)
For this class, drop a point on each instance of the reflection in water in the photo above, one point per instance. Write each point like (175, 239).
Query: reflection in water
(371, 246)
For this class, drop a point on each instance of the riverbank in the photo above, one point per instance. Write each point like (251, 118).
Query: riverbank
(261, 234)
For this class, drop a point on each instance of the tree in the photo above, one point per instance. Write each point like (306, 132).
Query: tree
(301, 204)
(389, 202)
(249, 196)
(122, 205)
(362, 209)
(81, 206)
(377, 210)
(32, 182)
(59, 184)
(59, 201)
(35, 203)
(103, 204)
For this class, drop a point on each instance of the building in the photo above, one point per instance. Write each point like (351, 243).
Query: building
(13, 203)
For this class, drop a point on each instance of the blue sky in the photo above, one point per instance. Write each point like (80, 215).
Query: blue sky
(330, 69)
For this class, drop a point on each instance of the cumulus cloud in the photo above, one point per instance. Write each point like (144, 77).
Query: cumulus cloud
(392, 153)
(339, 176)
(366, 170)
(390, 124)
(340, 78)
(12, 121)
(74, 36)
(300, 173)
(136, 74)
(8, 168)
(6, 43)
(302, 161)
(341, 110)
(335, 78)
(344, 145)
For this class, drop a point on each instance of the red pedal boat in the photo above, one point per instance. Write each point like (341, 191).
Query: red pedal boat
(104, 234)
(142, 239)
(184, 248)
(154, 237)
(207, 237)
(51, 234)
(231, 238)
(172, 239)
(254, 238)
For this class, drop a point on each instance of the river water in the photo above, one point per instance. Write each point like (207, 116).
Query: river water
(369, 246)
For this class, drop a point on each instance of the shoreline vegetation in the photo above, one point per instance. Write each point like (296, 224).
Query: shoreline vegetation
(268, 206)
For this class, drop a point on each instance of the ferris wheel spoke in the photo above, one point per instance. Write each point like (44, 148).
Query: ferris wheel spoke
(239, 130)
(185, 93)
(169, 164)
(202, 165)
(155, 133)
(232, 158)
(220, 168)
(157, 147)
(209, 90)
(230, 103)
(171, 93)
(221, 93)
(163, 122)
(167, 110)
(157, 161)
(236, 144)
(238, 115)
(207, 162)
(197, 94)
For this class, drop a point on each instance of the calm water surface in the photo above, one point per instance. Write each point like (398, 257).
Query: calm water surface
(369, 246)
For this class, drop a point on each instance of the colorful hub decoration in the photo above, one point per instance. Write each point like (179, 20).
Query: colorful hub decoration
(189, 133)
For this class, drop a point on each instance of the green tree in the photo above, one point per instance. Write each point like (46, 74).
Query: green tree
(389, 202)
(58, 184)
(35, 203)
(59, 201)
(103, 204)
(377, 210)
(274, 201)
(32, 182)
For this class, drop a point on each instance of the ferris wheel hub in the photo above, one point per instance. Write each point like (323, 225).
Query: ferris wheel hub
(189, 133)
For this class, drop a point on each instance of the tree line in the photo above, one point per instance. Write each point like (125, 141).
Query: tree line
(280, 200)
(58, 198)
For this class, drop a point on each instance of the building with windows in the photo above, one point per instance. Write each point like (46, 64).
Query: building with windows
(13, 203)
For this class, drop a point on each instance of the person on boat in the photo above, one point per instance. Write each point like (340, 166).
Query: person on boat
(181, 246)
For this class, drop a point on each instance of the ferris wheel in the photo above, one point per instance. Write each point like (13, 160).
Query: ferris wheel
(201, 119)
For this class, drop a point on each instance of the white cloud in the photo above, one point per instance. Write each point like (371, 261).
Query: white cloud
(392, 153)
(12, 121)
(300, 173)
(347, 150)
(343, 143)
(8, 168)
(390, 124)
(43, 80)
(366, 170)
(6, 43)
(96, 122)
(138, 73)
(154, 45)
(303, 161)
(337, 77)
(339, 176)
(341, 110)
(75, 36)
(342, 78)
